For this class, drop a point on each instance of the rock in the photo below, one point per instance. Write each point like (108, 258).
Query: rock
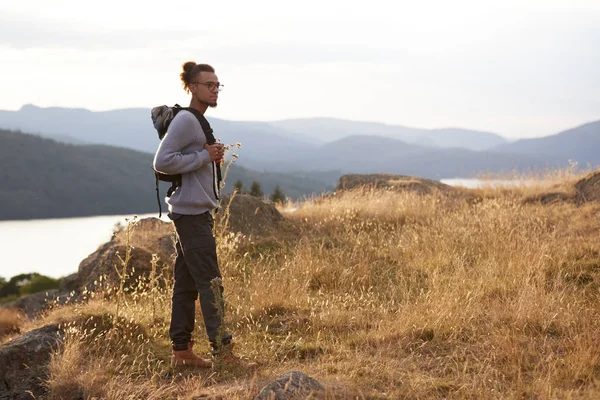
(10, 321)
(24, 362)
(69, 284)
(166, 247)
(105, 261)
(402, 183)
(32, 304)
(588, 188)
(550, 198)
(152, 234)
(419, 185)
(249, 215)
(152, 224)
(292, 385)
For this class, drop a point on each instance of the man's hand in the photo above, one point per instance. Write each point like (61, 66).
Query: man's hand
(216, 151)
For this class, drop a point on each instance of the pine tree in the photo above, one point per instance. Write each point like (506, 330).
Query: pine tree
(277, 196)
(238, 186)
(256, 190)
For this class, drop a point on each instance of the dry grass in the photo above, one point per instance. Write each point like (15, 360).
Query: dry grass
(377, 295)
(533, 184)
(10, 322)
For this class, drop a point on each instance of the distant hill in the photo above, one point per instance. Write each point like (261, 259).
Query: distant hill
(65, 139)
(581, 144)
(323, 130)
(371, 154)
(43, 178)
(132, 128)
(465, 138)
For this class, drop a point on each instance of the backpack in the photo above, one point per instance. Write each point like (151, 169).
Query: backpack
(161, 119)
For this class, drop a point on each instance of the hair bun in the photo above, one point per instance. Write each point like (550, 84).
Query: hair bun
(188, 66)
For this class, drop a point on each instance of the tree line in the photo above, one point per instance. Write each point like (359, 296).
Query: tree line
(277, 196)
(24, 285)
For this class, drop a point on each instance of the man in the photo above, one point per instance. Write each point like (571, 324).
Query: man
(184, 150)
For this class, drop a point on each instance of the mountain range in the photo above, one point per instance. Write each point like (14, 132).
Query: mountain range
(324, 130)
(324, 148)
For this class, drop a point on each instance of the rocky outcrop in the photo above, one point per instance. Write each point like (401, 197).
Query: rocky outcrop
(24, 363)
(248, 215)
(588, 188)
(106, 263)
(32, 304)
(550, 198)
(292, 385)
(152, 234)
(404, 183)
(401, 182)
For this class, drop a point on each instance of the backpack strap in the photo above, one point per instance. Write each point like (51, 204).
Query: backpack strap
(158, 197)
(175, 183)
(210, 139)
(208, 132)
(173, 187)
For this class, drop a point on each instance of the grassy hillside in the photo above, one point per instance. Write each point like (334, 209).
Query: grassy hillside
(42, 178)
(378, 295)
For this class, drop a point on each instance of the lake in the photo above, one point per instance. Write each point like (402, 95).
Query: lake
(55, 247)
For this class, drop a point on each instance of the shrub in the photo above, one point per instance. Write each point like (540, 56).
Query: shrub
(39, 284)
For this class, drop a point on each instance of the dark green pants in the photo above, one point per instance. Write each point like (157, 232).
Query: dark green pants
(195, 267)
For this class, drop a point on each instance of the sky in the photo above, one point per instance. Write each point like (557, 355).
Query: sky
(516, 68)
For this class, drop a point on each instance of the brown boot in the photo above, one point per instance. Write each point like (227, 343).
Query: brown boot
(187, 358)
(226, 358)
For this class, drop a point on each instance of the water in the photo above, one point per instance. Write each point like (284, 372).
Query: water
(475, 183)
(54, 247)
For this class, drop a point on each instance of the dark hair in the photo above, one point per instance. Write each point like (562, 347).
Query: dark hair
(191, 70)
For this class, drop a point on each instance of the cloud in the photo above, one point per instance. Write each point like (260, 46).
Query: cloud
(35, 33)
(293, 53)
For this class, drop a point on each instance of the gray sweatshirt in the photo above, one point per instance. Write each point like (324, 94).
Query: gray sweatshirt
(182, 152)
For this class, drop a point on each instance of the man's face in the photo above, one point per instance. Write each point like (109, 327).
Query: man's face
(205, 88)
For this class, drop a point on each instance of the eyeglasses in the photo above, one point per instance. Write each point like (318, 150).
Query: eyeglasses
(210, 85)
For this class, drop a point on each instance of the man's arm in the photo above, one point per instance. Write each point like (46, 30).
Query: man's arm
(169, 159)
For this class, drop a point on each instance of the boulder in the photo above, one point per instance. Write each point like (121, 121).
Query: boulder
(550, 198)
(152, 224)
(10, 321)
(420, 185)
(248, 215)
(152, 234)
(24, 363)
(292, 385)
(588, 188)
(32, 304)
(404, 183)
(106, 262)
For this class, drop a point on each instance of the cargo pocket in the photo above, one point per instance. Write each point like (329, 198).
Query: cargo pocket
(199, 247)
(195, 232)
